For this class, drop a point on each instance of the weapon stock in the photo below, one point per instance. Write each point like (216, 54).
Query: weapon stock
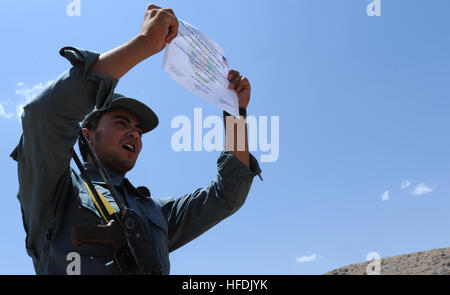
(102, 234)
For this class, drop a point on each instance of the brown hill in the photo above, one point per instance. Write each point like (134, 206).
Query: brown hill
(430, 262)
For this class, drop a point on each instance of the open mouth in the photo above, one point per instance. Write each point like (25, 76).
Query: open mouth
(128, 147)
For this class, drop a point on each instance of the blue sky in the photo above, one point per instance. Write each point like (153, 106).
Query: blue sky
(363, 106)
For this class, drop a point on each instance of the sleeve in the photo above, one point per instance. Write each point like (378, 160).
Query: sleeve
(193, 214)
(50, 124)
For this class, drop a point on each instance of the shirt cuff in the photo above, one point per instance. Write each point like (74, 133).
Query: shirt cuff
(79, 57)
(83, 60)
(228, 164)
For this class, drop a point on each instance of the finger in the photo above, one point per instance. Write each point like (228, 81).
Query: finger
(235, 81)
(152, 10)
(232, 74)
(233, 77)
(152, 6)
(243, 84)
(173, 26)
(169, 11)
(173, 30)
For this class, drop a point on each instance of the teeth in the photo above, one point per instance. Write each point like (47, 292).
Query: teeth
(129, 147)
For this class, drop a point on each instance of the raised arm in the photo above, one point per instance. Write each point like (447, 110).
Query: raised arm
(193, 214)
(50, 122)
(50, 129)
(160, 27)
(236, 140)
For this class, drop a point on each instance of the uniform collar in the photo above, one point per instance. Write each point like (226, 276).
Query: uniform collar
(94, 176)
(116, 179)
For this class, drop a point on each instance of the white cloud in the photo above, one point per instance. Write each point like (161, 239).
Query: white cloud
(30, 93)
(385, 196)
(304, 259)
(421, 189)
(3, 113)
(404, 184)
(27, 94)
(19, 109)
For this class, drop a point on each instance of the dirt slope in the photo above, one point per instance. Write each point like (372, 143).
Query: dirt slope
(430, 262)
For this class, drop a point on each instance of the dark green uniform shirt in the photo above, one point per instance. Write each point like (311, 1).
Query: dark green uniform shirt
(54, 198)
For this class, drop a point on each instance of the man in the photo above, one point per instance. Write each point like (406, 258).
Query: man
(54, 198)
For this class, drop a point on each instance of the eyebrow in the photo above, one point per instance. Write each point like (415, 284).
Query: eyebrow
(127, 120)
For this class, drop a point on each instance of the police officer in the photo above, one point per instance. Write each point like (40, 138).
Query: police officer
(53, 196)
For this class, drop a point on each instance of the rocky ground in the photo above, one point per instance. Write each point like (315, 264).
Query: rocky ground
(430, 262)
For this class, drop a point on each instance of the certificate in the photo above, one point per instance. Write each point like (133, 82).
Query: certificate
(198, 63)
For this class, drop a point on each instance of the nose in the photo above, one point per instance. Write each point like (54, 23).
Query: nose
(133, 133)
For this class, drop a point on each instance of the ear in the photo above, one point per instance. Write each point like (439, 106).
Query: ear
(87, 133)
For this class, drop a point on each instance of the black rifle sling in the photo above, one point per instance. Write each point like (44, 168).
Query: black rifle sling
(99, 203)
(144, 257)
(101, 170)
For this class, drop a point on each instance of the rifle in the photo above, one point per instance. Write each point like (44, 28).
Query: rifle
(124, 230)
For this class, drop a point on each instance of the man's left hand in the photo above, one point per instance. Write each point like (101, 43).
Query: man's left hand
(241, 85)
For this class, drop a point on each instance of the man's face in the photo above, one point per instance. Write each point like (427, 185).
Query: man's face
(117, 140)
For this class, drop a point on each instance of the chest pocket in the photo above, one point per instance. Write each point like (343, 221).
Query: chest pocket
(158, 228)
(155, 221)
(87, 202)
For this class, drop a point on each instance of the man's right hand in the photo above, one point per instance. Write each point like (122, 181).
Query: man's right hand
(160, 27)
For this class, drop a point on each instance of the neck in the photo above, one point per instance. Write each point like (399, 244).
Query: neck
(90, 161)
